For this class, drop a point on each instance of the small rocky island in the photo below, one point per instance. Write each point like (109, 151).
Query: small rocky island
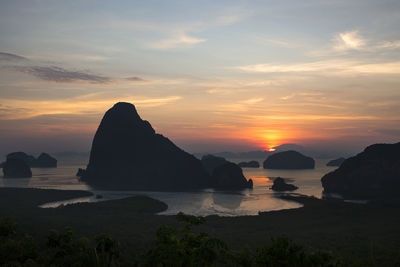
(225, 174)
(16, 168)
(43, 161)
(127, 154)
(281, 185)
(375, 172)
(289, 160)
(336, 162)
(249, 164)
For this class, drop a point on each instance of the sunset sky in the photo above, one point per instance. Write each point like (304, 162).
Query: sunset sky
(210, 75)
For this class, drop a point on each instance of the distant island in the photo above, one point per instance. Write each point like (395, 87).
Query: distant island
(226, 175)
(249, 164)
(289, 160)
(43, 161)
(336, 162)
(280, 185)
(127, 154)
(375, 172)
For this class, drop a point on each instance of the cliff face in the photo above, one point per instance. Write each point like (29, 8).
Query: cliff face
(375, 172)
(127, 154)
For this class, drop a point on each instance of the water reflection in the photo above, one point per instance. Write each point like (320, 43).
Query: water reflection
(228, 200)
(206, 202)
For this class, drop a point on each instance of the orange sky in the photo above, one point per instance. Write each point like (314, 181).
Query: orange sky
(215, 76)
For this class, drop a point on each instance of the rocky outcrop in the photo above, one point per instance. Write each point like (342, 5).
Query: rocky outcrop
(230, 176)
(210, 162)
(289, 160)
(375, 172)
(281, 185)
(127, 154)
(29, 159)
(81, 172)
(336, 162)
(249, 164)
(16, 168)
(43, 161)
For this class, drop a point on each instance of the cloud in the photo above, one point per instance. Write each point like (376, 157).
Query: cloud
(181, 39)
(135, 79)
(14, 109)
(253, 100)
(327, 67)
(388, 44)
(11, 57)
(349, 40)
(57, 74)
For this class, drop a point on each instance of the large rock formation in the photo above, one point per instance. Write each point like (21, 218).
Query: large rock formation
(43, 161)
(289, 160)
(375, 172)
(230, 176)
(225, 174)
(210, 162)
(16, 168)
(281, 185)
(249, 164)
(336, 162)
(127, 154)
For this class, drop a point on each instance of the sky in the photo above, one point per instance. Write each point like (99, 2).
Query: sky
(210, 75)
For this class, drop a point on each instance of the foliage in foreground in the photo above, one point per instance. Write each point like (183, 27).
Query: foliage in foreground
(173, 247)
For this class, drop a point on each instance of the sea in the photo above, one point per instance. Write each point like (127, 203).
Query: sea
(200, 203)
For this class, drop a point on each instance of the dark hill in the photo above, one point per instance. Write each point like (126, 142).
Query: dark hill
(375, 172)
(127, 154)
(289, 160)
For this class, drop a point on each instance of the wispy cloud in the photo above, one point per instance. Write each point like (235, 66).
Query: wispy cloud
(181, 39)
(389, 44)
(57, 74)
(333, 67)
(253, 100)
(135, 79)
(11, 109)
(11, 57)
(349, 40)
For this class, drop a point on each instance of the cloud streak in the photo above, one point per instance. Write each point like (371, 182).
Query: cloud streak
(11, 57)
(334, 67)
(178, 40)
(61, 75)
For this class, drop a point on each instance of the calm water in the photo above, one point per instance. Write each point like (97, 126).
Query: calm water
(207, 202)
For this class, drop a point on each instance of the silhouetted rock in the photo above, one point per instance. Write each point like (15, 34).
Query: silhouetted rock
(210, 162)
(336, 162)
(127, 154)
(289, 160)
(230, 176)
(29, 159)
(16, 168)
(81, 172)
(375, 172)
(281, 185)
(44, 161)
(250, 164)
